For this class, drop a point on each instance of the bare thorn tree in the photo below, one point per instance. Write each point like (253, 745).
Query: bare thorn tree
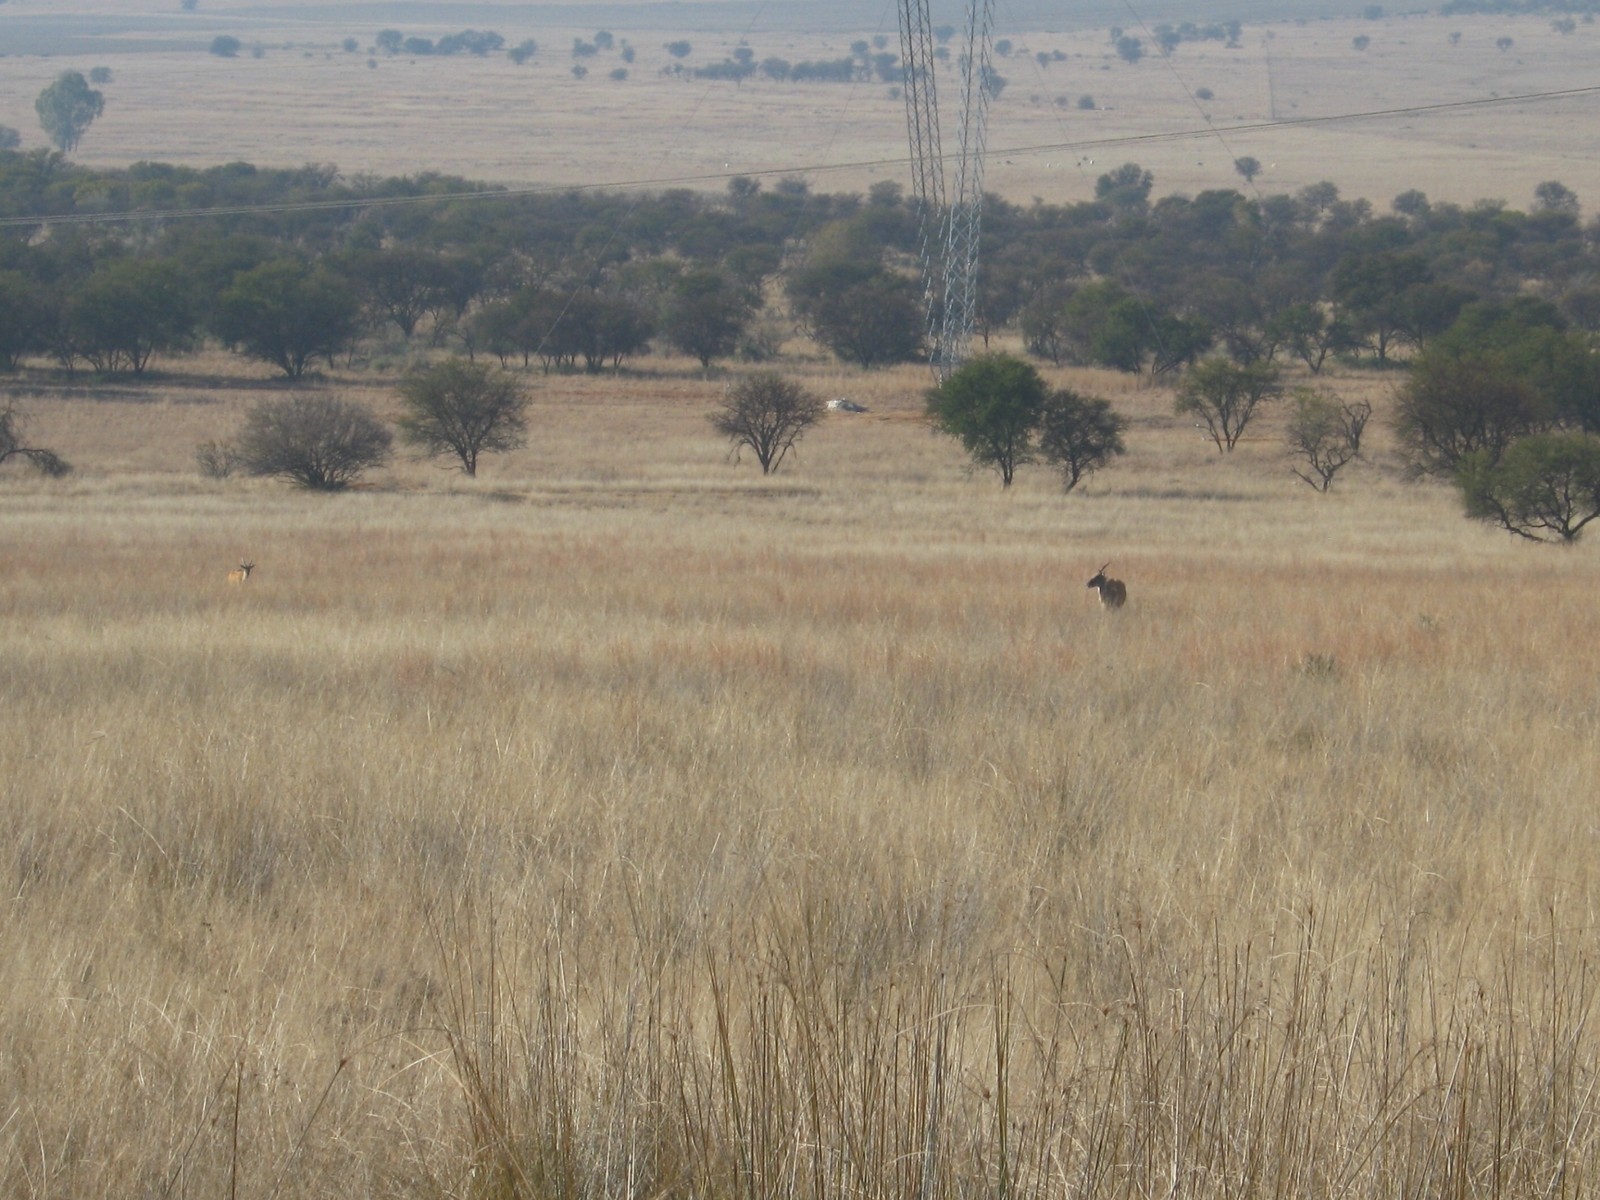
(769, 414)
(46, 462)
(1325, 432)
(463, 408)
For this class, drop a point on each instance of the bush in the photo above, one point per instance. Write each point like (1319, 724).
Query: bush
(225, 45)
(319, 442)
(216, 460)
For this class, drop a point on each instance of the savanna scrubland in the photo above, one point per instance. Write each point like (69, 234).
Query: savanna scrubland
(622, 822)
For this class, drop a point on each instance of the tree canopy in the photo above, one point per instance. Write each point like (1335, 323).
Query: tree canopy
(67, 108)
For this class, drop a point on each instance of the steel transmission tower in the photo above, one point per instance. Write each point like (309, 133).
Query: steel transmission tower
(948, 232)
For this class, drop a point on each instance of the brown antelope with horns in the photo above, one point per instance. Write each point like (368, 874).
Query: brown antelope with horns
(242, 573)
(1113, 592)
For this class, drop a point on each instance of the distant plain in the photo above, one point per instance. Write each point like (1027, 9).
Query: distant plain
(308, 100)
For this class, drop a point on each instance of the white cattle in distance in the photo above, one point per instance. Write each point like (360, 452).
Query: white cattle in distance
(844, 405)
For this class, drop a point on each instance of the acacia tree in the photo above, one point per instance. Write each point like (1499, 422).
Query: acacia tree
(1326, 433)
(463, 408)
(768, 414)
(1078, 435)
(863, 313)
(319, 442)
(1456, 406)
(991, 405)
(1226, 396)
(67, 108)
(1544, 487)
(46, 462)
(129, 310)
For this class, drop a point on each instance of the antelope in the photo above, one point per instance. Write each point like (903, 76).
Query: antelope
(1113, 592)
(243, 573)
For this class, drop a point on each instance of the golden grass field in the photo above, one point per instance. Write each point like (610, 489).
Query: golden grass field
(622, 823)
(306, 100)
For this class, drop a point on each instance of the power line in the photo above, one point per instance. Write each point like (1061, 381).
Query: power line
(662, 181)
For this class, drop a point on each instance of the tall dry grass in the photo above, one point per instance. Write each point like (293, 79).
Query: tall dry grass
(621, 823)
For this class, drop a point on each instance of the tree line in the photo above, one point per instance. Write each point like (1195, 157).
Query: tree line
(579, 279)
(1493, 311)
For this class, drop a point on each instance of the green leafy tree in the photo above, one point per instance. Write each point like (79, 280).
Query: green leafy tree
(1310, 334)
(1247, 166)
(400, 283)
(1532, 339)
(225, 45)
(129, 310)
(1078, 435)
(1325, 433)
(287, 312)
(1045, 326)
(991, 404)
(1544, 487)
(1126, 189)
(319, 442)
(67, 108)
(1226, 397)
(874, 322)
(601, 329)
(465, 409)
(706, 316)
(1555, 196)
(46, 462)
(1453, 406)
(767, 414)
(1371, 291)
(22, 319)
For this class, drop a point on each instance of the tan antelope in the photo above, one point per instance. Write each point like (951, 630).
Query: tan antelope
(1113, 592)
(243, 572)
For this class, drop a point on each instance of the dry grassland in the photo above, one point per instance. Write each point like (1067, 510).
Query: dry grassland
(308, 101)
(622, 823)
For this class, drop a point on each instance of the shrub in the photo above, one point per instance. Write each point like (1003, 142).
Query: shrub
(319, 442)
(216, 460)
